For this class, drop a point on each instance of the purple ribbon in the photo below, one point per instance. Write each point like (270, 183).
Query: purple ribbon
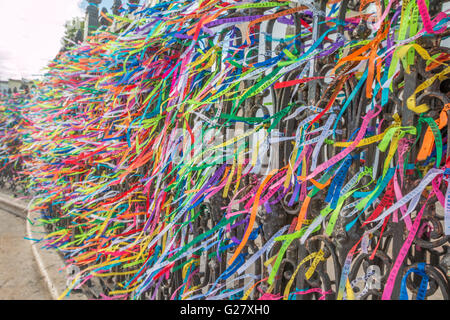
(232, 20)
(285, 20)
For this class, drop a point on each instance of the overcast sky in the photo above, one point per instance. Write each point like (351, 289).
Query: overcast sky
(31, 31)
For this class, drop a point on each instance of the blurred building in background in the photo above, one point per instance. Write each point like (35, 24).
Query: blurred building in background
(14, 86)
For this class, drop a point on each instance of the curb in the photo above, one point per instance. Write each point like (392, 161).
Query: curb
(13, 206)
(49, 261)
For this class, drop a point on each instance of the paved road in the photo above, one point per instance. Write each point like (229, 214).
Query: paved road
(19, 275)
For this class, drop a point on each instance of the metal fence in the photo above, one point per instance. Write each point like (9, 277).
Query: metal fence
(427, 258)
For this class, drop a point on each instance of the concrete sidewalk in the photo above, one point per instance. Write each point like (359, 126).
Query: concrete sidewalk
(20, 278)
(47, 263)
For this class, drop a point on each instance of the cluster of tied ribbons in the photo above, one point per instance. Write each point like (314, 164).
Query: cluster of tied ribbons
(13, 128)
(127, 155)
